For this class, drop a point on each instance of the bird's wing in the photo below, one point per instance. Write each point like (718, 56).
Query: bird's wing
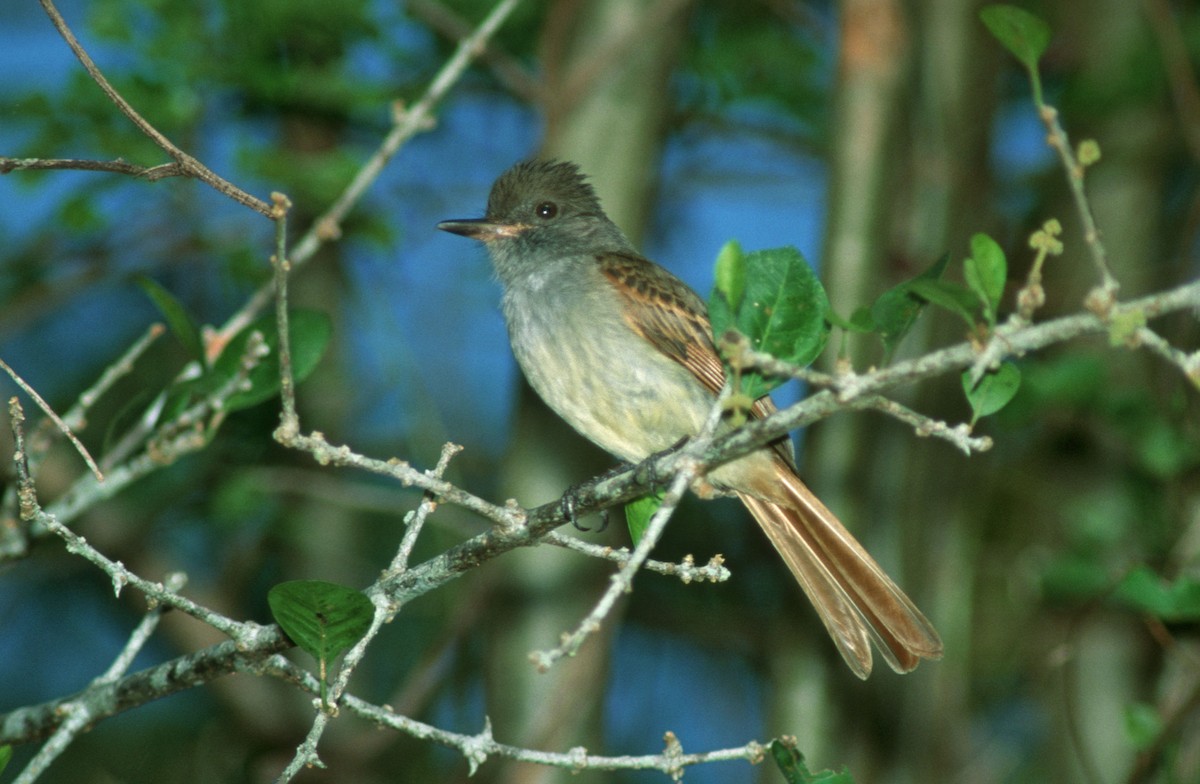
(671, 317)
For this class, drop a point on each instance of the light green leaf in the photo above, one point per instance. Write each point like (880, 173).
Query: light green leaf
(1023, 34)
(638, 514)
(986, 271)
(730, 273)
(782, 311)
(994, 390)
(6, 753)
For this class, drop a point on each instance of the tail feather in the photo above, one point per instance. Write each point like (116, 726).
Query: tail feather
(854, 598)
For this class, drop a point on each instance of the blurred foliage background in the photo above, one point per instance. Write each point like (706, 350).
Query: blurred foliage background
(873, 134)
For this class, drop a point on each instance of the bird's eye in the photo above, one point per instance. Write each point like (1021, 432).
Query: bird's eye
(546, 210)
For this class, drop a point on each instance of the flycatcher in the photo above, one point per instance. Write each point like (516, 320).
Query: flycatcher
(623, 351)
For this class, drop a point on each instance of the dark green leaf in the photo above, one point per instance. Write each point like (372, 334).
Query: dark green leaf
(993, 391)
(1145, 591)
(176, 316)
(950, 296)
(986, 271)
(896, 310)
(1022, 33)
(791, 764)
(730, 273)
(322, 618)
(310, 332)
(638, 514)
(782, 311)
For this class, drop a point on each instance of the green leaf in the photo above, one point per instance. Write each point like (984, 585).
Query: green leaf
(322, 618)
(986, 272)
(730, 273)
(782, 311)
(950, 296)
(310, 333)
(1022, 33)
(860, 320)
(993, 391)
(1143, 725)
(896, 310)
(638, 514)
(791, 764)
(176, 315)
(1145, 591)
(6, 753)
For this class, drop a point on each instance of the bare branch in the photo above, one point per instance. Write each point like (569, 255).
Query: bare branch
(714, 571)
(511, 72)
(151, 173)
(189, 165)
(959, 435)
(62, 426)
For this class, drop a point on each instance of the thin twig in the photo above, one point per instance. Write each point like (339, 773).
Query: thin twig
(242, 632)
(27, 502)
(686, 570)
(151, 173)
(1091, 234)
(113, 373)
(282, 266)
(958, 435)
(62, 426)
(1158, 345)
(476, 749)
(190, 165)
(415, 520)
(513, 75)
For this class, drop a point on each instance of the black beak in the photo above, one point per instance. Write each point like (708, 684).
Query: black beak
(482, 229)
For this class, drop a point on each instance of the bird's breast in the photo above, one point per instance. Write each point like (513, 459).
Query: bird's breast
(607, 382)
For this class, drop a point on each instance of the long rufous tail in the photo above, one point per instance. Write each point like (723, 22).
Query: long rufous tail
(856, 601)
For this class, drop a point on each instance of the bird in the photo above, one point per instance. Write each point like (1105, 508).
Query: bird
(622, 349)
